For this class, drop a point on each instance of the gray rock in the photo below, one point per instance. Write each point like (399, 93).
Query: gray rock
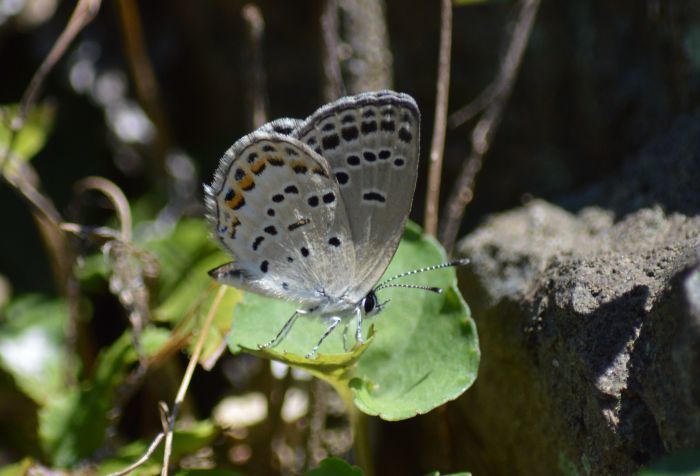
(589, 320)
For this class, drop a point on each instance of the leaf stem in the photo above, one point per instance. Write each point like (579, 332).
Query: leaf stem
(359, 427)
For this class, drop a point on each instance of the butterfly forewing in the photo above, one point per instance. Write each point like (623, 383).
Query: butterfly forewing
(371, 142)
(277, 209)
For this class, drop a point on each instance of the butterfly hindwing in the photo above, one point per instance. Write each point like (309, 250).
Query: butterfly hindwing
(371, 142)
(277, 209)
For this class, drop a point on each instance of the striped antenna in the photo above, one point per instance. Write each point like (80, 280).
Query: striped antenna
(459, 262)
(410, 286)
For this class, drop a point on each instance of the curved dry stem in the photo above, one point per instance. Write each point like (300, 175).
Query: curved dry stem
(115, 195)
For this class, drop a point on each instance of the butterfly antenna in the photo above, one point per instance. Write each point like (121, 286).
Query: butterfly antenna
(432, 289)
(458, 262)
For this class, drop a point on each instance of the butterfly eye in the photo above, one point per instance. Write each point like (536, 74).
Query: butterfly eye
(370, 302)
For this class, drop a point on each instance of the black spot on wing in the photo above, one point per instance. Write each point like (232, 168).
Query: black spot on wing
(342, 177)
(331, 142)
(405, 135)
(373, 197)
(349, 133)
(368, 127)
(388, 126)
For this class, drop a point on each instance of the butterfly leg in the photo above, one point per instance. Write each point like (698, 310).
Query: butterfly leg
(345, 337)
(335, 320)
(358, 330)
(282, 333)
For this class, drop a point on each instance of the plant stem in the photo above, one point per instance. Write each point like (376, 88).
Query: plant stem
(359, 428)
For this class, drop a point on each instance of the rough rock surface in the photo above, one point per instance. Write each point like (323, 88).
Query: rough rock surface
(589, 319)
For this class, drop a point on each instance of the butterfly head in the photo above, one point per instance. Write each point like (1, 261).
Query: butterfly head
(371, 305)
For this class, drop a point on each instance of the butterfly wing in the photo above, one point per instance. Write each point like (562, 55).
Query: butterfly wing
(276, 208)
(371, 142)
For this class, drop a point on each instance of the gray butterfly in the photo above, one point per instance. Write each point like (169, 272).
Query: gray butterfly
(313, 210)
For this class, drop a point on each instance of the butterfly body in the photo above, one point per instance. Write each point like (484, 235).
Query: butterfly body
(313, 210)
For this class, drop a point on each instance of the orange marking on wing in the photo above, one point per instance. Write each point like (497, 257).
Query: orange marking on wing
(275, 160)
(247, 182)
(258, 166)
(236, 202)
(299, 166)
(320, 171)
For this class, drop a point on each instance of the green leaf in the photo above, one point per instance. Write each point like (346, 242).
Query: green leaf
(21, 467)
(73, 424)
(31, 346)
(334, 467)
(31, 138)
(185, 256)
(425, 351)
(186, 288)
(682, 463)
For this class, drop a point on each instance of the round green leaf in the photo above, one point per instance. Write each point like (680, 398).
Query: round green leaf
(426, 350)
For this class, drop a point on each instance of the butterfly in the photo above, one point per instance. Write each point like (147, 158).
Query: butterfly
(313, 210)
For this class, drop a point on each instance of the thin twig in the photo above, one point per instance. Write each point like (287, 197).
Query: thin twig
(144, 77)
(333, 86)
(151, 449)
(473, 108)
(188, 377)
(483, 132)
(101, 232)
(437, 147)
(83, 14)
(257, 81)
